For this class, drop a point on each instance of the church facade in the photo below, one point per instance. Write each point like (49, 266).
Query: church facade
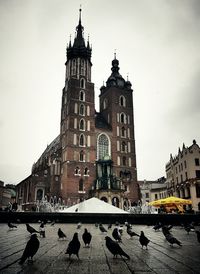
(94, 154)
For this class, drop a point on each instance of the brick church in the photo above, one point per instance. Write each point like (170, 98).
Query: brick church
(94, 154)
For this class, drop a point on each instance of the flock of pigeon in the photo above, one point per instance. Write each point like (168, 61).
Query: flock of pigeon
(113, 245)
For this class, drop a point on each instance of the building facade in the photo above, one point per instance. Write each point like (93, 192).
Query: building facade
(183, 174)
(94, 154)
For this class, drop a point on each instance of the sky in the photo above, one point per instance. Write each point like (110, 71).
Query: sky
(157, 43)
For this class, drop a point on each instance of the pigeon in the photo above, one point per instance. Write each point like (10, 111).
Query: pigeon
(78, 226)
(115, 248)
(87, 237)
(131, 233)
(102, 228)
(42, 230)
(110, 226)
(96, 225)
(198, 235)
(128, 225)
(166, 230)
(157, 226)
(143, 240)
(116, 234)
(61, 235)
(31, 249)
(172, 240)
(11, 226)
(74, 246)
(31, 230)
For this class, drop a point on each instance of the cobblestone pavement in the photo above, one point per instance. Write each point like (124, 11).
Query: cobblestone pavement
(51, 258)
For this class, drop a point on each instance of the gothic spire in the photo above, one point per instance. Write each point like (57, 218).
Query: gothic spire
(79, 49)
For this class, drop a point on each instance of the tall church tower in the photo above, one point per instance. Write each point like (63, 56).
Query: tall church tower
(77, 122)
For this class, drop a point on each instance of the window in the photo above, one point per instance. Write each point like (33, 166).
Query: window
(156, 196)
(198, 174)
(81, 188)
(124, 161)
(122, 118)
(103, 146)
(83, 67)
(82, 95)
(186, 176)
(82, 109)
(185, 164)
(105, 103)
(82, 124)
(123, 147)
(123, 131)
(198, 190)
(82, 140)
(122, 101)
(81, 156)
(73, 66)
(196, 161)
(82, 83)
(77, 171)
(146, 195)
(86, 171)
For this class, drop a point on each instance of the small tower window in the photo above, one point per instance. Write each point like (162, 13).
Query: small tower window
(86, 171)
(82, 95)
(122, 101)
(82, 124)
(124, 161)
(82, 140)
(83, 67)
(103, 146)
(73, 66)
(123, 131)
(123, 118)
(105, 103)
(123, 147)
(82, 109)
(81, 156)
(82, 83)
(81, 188)
(77, 171)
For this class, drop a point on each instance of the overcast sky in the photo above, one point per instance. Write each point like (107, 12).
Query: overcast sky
(157, 44)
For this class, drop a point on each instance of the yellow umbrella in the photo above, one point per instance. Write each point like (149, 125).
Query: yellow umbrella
(170, 201)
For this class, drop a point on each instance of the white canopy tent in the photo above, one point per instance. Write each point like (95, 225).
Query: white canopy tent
(93, 205)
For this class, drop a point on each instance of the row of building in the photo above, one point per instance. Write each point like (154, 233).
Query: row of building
(182, 178)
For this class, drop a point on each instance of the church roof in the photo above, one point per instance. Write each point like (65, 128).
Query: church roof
(94, 205)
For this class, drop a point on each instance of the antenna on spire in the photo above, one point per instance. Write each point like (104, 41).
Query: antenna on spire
(115, 54)
(80, 14)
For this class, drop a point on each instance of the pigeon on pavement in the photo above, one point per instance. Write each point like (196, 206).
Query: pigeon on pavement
(143, 240)
(115, 248)
(116, 235)
(87, 237)
(74, 246)
(61, 234)
(31, 248)
(31, 230)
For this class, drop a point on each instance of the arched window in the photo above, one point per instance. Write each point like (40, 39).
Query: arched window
(39, 194)
(82, 140)
(124, 161)
(82, 95)
(73, 66)
(103, 146)
(82, 109)
(82, 124)
(77, 170)
(122, 101)
(104, 199)
(81, 156)
(81, 187)
(115, 201)
(123, 147)
(83, 67)
(105, 103)
(82, 83)
(86, 171)
(122, 118)
(123, 132)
